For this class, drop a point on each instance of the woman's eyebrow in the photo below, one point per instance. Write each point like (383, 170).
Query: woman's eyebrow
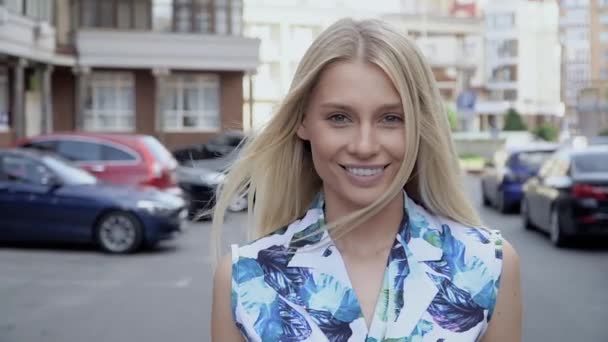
(386, 107)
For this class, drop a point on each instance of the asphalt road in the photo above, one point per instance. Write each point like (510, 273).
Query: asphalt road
(70, 294)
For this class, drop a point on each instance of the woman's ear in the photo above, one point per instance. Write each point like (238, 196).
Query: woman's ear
(303, 130)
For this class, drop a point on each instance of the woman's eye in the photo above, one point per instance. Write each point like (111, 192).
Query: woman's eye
(392, 118)
(338, 118)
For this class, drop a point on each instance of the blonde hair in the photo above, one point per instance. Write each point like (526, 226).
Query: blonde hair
(276, 171)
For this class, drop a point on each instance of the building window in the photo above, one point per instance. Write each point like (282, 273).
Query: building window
(603, 3)
(604, 74)
(121, 14)
(109, 102)
(4, 94)
(604, 37)
(192, 102)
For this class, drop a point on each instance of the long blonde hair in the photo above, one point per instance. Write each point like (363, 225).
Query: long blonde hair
(275, 169)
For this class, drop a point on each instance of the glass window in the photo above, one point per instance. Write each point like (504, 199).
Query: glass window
(591, 163)
(124, 15)
(4, 94)
(79, 151)
(193, 102)
(236, 13)
(109, 103)
(141, 14)
(162, 13)
(110, 153)
(221, 16)
(25, 170)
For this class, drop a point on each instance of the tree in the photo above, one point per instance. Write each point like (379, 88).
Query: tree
(547, 132)
(513, 121)
(604, 132)
(452, 118)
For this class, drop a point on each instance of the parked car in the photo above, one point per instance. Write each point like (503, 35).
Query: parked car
(125, 159)
(221, 145)
(46, 198)
(503, 177)
(200, 179)
(569, 196)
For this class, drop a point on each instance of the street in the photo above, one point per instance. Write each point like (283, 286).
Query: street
(69, 294)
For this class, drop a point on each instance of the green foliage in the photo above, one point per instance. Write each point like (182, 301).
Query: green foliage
(604, 132)
(513, 121)
(547, 132)
(452, 118)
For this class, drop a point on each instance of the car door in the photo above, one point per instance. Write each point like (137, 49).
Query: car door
(30, 208)
(7, 219)
(548, 188)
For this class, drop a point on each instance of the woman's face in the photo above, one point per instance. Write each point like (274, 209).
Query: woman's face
(354, 122)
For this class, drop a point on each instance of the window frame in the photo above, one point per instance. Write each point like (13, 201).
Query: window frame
(178, 83)
(114, 81)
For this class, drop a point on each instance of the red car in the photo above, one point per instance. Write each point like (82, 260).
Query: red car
(125, 159)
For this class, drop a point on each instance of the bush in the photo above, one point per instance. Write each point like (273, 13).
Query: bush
(546, 132)
(604, 132)
(513, 121)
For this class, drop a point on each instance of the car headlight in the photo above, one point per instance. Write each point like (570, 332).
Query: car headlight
(152, 207)
(214, 178)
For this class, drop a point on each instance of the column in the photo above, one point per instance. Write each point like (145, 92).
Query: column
(18, 107)
(160, 82)
(47, 99)
(83, 75)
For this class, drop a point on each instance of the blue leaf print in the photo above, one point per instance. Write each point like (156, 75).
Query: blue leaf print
(281, 322)
(441, 266)
(287, 281)
(477, 234)
(309, 236)
(246, 269)
(334, 329)
(453, 308)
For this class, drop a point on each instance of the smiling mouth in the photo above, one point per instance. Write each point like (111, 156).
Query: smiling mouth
(364, 171)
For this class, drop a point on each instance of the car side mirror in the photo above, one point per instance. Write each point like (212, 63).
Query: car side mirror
(52, 182)
(488, 164)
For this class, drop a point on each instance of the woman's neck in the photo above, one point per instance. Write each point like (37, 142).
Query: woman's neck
(372, 236)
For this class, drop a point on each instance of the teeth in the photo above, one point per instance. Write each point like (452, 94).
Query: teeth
(364, 172)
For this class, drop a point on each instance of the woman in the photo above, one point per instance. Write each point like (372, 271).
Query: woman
(364, 232)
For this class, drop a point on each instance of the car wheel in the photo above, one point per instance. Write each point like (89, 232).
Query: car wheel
(556, 233)
(119, 232)
(238, 203)
(525, 215)
(501, 205)
(484, 198)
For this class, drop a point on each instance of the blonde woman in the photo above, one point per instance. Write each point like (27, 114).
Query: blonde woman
(363, 232)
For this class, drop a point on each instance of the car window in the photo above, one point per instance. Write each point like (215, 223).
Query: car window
(529, 159)
(115, 154)
(25, 170)
(591, 163)
(44, 145)
(80, 151)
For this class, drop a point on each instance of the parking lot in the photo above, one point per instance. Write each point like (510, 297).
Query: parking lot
(75, 293)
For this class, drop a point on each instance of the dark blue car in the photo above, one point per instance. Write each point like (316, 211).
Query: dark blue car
(45, 198)
(504, 176)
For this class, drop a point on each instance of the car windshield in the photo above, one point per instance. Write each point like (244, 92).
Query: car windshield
(68, 172)
(591, 162)
(531, 159)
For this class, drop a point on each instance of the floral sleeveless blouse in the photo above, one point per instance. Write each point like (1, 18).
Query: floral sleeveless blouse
(440, 283)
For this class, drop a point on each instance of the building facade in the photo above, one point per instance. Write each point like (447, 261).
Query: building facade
(522, 58)
(584, 40)
(170, 68)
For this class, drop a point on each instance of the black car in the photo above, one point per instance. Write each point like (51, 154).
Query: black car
(200, 179)
(219, 146)
(569, 196)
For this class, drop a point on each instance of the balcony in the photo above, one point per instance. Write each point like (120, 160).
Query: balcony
(190, 51)
(24, 37)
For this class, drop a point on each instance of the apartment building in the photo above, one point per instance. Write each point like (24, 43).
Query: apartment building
(171, 68)
(584, 41)
(522, 58)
